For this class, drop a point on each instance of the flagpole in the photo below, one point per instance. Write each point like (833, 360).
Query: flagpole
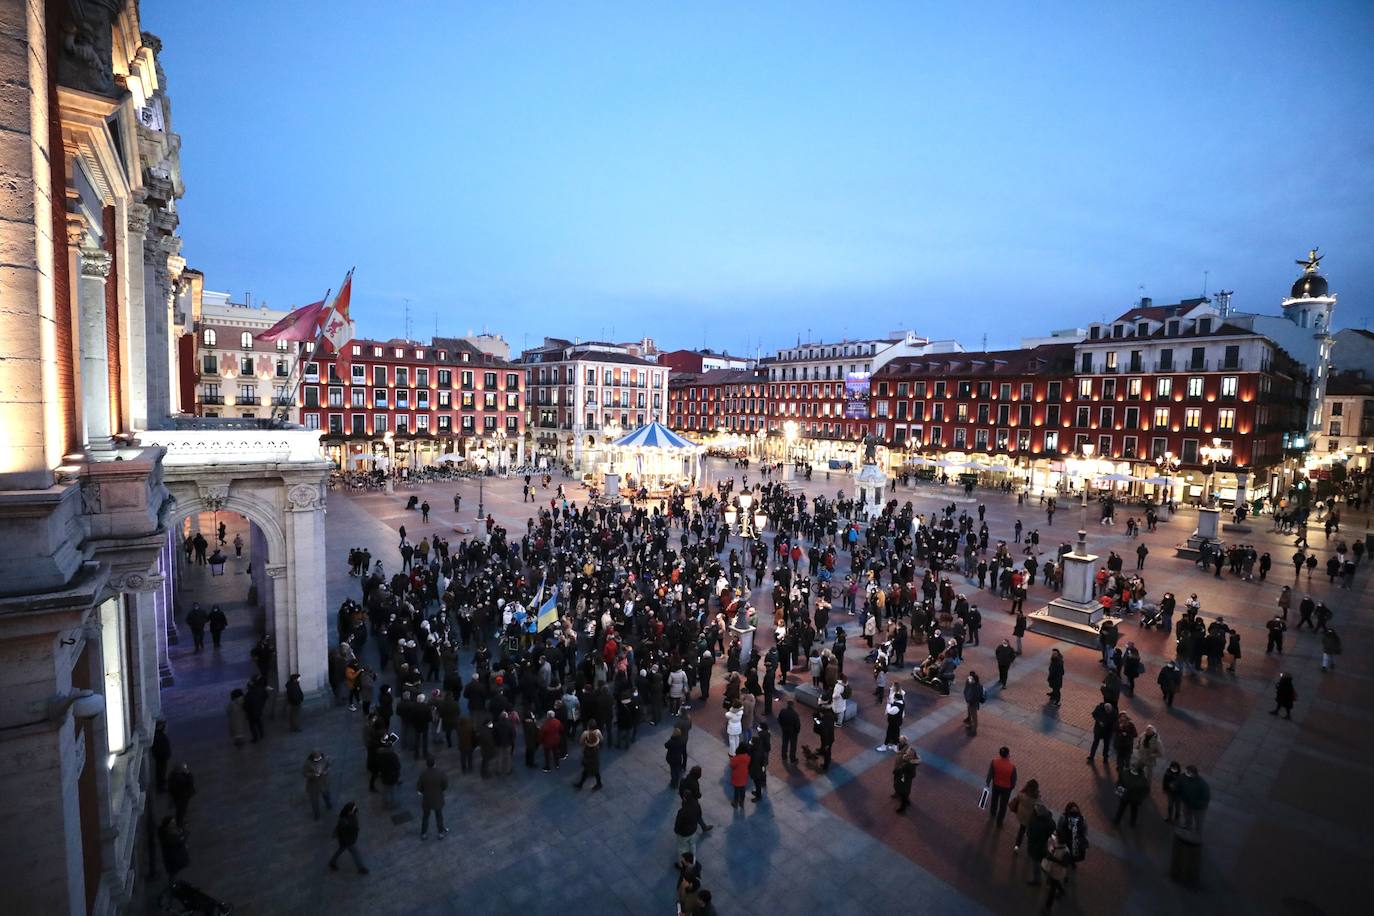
(281, 412)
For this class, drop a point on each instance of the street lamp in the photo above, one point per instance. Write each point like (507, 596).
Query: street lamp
(1088, 450)
(751, 524)
(1213, 454)
(789, 432)
(500, 450)
(1168, 464)
(390, 460)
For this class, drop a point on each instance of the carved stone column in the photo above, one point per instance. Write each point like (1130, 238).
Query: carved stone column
(94, 350)
(302, 623)
(135, 268)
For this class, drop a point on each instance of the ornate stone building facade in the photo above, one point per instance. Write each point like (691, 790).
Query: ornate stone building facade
(97, 470)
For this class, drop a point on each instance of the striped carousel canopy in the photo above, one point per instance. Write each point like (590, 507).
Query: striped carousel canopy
(655, 435)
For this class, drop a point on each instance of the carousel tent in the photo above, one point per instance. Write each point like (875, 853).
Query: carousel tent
(655, 435)
(654, 455)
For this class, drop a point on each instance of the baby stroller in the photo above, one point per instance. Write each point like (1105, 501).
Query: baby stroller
(1150, 616)
(183, 899)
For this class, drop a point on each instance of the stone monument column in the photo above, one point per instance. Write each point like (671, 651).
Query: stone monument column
(1208, 523)
(1074, 615)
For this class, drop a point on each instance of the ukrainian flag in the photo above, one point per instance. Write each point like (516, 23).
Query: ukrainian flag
(548, 611)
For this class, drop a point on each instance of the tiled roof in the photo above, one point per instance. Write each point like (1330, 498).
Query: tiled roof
(1044, 358)
(716, 377)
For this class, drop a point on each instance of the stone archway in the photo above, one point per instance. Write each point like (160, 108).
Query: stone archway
(291, 582)
(276, 480)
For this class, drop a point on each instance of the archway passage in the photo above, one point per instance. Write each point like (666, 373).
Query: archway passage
(221, 589)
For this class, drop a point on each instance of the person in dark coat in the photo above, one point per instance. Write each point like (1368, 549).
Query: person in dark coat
(1104, 729)
(789, 723)
(346, 833)
(685, 825)
(1285, 695)
(1170, 679)
(1038, 833)
(1132, 787)
(172, 839)
(254, 704)
(389, 770)
(903, 772)
(762, 745)
(691, 786)
(1005, 655)
(181, 785)
(218, 624)
(162, 753)
(295, 699)
(1055, 678)
(431, 787)
(591, 755)
(196, 619)
(676, 747)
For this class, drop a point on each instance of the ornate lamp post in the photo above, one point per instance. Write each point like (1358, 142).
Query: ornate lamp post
(789, 432)
(1213, 455)
(390, 441)
(1168, 464)
(1088, 450)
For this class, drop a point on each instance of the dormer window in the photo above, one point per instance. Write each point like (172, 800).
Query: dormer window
(1094, 333)
(1172, 328)
(1142, 329)
(1118, 330)
(1204, 325)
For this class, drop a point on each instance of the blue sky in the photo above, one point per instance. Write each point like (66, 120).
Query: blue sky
(735, 174)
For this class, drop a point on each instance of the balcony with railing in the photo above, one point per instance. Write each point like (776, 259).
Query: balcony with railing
(1148, 367)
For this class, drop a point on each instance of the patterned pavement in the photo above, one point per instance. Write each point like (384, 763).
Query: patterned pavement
(821, 843)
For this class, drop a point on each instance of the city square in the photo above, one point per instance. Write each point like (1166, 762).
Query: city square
(743, 460)
(521, 836)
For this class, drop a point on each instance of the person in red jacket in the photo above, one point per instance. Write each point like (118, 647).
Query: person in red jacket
(551, 739)
(1002, 780)
(739, 774)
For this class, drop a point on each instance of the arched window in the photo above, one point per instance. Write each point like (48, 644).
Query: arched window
(246, 340)
(209, 337)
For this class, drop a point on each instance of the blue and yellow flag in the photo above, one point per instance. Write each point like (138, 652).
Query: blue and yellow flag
(548, 611)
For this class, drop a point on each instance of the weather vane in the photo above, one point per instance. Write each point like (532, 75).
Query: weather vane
(1310, 264)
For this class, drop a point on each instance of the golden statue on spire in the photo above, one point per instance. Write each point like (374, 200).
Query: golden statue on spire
(1309, 265)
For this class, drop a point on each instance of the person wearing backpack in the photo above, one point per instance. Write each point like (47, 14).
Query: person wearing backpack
(974, 697)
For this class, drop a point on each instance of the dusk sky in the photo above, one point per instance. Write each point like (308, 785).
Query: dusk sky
(736, 174)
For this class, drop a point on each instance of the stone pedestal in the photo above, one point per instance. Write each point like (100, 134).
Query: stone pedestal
(1207, 533)
(1073, 616)
(745, 635)
(1208, 524)
(870, 486)
(612, 487)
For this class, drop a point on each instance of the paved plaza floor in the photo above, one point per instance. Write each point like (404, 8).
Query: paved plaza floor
(1287, 833)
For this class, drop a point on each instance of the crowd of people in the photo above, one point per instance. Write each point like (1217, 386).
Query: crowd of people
(594, 625)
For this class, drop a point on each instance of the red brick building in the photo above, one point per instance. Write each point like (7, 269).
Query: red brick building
(1003, 402)
(415, 401)
(723, 403)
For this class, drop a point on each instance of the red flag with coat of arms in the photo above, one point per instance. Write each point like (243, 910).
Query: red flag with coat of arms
(336, 328)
